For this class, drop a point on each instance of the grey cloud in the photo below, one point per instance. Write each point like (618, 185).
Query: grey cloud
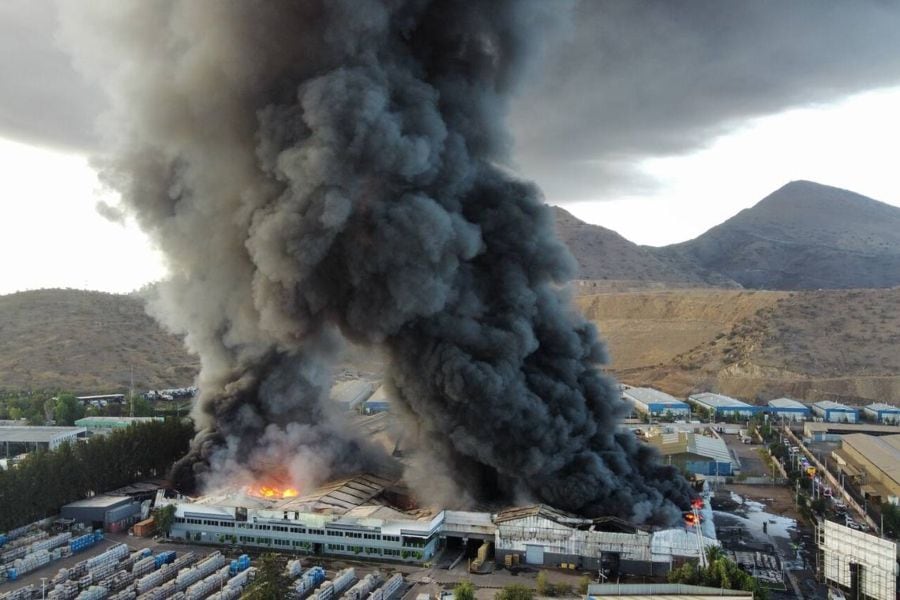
(633, 79)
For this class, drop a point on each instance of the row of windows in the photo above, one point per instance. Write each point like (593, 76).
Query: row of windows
(407, 542)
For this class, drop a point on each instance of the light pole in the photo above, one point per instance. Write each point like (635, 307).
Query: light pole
(43, 586)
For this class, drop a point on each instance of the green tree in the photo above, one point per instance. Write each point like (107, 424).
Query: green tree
(719, 572)
(891, 516)
(270, 583)
(142, 407)
(464, 590)
(164, 518)
(514, 592)
(15, 413)
(68, 409)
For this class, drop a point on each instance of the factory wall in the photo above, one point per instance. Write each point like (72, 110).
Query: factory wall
(790, 414)
(289, 536)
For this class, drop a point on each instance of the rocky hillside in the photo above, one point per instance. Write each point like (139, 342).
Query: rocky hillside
(86, 342)
(756, 345)
(802, 236)
(604, 255)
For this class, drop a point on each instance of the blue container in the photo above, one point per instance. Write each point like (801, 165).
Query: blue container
(315, 574)
(241, 563)
(164, 558)
(2, 538)
(11, 574)
(144, 553)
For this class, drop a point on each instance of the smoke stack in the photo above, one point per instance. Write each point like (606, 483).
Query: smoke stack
(324, 169)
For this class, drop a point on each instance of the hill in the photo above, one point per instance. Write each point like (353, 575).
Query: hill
(802, 236)
(604, 255)
(86, 342)
(813, 345)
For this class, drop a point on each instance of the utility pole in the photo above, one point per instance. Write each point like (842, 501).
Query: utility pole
(131, 391)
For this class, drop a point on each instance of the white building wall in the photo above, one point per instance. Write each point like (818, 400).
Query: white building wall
(842, 546)
(560, 539)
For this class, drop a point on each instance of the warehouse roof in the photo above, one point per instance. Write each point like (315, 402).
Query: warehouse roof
(787, 403)
(718, 400)
(686, 442)
(352, 392)
(25, 434)
(101, 501)
(661, 591)
(831, 405)
(882, 451)
(651, 396)
(810, 428)
(882, 407)
(113, 422)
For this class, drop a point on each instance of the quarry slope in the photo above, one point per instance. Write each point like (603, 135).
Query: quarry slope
(756, 345)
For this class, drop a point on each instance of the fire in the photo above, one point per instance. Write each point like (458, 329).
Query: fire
(272, 491)
(697, 503)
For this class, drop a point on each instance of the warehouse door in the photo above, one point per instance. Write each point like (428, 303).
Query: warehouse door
(534, 555)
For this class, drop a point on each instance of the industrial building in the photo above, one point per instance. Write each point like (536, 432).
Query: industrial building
(834, 412)
(363, 517)
(788, 409)
(661, 591)
(724, 406)
(349, 517)
(879, 412)
(655, 403)
(107, 424)
(859, 563)
(695, 453)
(378, 402)
(112, 513)
(879, 459)
(22, 438)
(833, 432)
(350, 395)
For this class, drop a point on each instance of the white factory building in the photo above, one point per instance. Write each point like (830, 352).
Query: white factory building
(788, 409)
(355, 517)
(880, 412)
(18, 438)
(724, 406)
(649, 401)
(834, 412)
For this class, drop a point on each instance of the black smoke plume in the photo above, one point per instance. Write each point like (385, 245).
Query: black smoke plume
(335, 168)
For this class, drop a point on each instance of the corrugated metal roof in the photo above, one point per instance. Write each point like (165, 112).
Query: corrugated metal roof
(882, 407)
(717, 400)
(36, 434)
(661, 591)
(882, 451)
(787, 403)
(832, 405)
(652, 396)
(681, 442)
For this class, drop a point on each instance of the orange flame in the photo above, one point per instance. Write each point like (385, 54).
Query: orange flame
(272, 491)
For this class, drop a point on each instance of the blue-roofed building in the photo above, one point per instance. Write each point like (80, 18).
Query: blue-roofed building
(834, 412)
(656, 403)
(725, 406)
(880, 412)
(378, 401)
(788, 409)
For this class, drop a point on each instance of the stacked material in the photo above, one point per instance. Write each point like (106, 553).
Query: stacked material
(388, 589)
(364, 587)
(208, 585)
(188, 577)
(95, 592)
(308, 582)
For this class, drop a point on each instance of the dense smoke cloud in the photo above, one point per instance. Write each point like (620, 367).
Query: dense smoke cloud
(314, 167)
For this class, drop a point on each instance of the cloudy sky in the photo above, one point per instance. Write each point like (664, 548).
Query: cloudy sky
(656, 119)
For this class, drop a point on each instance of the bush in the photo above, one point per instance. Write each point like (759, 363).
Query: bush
(464, 590)
(514, 592)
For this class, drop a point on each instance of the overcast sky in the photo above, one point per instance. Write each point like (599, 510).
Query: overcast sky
(658, 120)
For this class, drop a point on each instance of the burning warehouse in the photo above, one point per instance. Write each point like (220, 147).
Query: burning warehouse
(360, 516)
